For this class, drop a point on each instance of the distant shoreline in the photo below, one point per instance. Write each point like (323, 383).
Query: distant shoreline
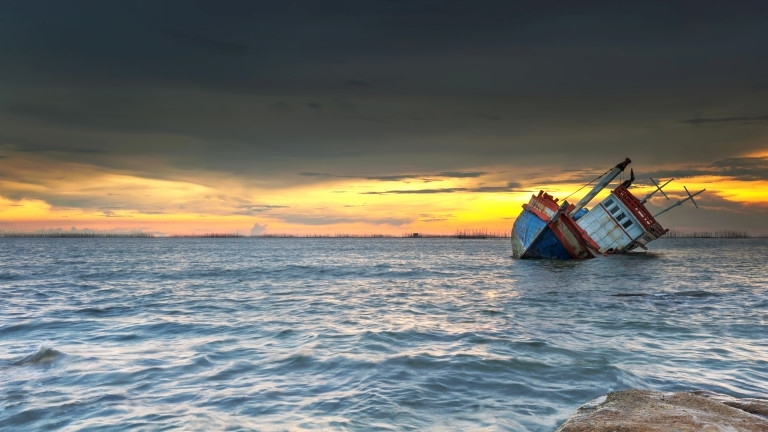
(710, 234)
(265, 236)
(459, 235)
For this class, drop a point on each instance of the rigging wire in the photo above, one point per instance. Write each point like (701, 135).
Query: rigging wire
(596, 179)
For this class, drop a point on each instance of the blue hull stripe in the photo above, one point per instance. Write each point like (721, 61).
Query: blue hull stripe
(527, 243)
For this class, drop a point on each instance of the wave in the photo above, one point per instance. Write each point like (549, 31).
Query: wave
(6, 276)
(696, 294)
(43, 356)
(671, 295)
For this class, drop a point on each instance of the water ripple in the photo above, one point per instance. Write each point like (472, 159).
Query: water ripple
(375, 334)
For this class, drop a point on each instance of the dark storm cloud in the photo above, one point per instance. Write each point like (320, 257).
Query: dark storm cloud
(511, 187)
(744, 168)
(220, 46)
(64, 202)
(427, 177)
(357, 83)
(404, 177)
(281, 106)
(417, 191)
(456, 174)
(320, 45)
(491, 117)
(741, 168)
(737, 168)
(271, 89)
(740, 120)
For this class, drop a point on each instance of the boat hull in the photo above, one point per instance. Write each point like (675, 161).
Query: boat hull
(544, 229)
(533, 238)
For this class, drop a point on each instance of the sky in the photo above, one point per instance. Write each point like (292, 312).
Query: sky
(374, 117)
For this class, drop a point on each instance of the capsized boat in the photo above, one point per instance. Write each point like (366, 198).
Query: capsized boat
(550, 229)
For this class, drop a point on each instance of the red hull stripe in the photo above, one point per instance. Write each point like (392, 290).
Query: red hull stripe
(575, 241)
(543, 216)
(547, 200)
(639, 211)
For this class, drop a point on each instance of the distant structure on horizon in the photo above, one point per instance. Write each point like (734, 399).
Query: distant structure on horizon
(460, 234)
(708, 234)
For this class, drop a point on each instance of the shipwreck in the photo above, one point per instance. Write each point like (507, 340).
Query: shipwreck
(620, 223)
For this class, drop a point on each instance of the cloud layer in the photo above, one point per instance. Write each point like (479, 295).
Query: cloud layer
(273, 111)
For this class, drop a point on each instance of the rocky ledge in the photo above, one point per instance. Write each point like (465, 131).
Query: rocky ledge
(651, 411)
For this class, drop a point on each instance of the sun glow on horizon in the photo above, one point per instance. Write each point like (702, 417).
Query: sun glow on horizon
(118, 201)
(763, 153)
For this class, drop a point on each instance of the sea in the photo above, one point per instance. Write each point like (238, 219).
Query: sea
(364, 334)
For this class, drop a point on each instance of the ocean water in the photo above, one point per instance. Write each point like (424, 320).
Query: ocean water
(364, 334)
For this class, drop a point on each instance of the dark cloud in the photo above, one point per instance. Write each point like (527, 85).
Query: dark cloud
(150, 212)
(281, 106)
(714, 214)
(251, 210)
(456, 174)
(198, 41)
(427, 46)
(491, 117)
(357, 83)
(494, 189)
(739, 120)
(110, 213)
(744, 168)
(314, 174)
(417, 191)
(404, 177)
(739, 168)
(511, 187)
(262, 91)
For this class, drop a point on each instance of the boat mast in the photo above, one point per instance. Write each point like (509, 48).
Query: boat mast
(690, 197)
(600, 185)
(658, 189)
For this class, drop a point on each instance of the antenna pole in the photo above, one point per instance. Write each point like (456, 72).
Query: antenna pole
(658, 189)
(690, 197)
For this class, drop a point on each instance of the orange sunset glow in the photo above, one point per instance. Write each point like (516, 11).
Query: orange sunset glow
(118, 202)
(208, 126)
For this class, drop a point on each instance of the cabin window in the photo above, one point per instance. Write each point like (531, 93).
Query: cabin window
(620, 216)
(614, 209)
(627, 224)
(609, 203)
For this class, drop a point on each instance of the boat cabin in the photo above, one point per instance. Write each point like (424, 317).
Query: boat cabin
(620, 223)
